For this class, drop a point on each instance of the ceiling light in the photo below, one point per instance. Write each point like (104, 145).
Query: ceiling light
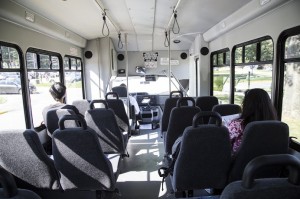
(176, 41)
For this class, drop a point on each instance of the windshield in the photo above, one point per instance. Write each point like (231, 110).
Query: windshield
(155, 85)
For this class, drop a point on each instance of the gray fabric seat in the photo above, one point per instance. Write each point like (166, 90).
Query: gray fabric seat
(53, 116)
(117, 106)
(170, 103)
(79, 158)
(82, 105)
(204, 156)
(206, 103)
(22, 154)
(104, 123)
(266, 188)
(180, 118)
(225, 109)
(9, 188)
(260, 138)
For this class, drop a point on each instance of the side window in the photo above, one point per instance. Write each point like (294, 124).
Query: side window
(221, 75)
(73, 78)
(43, 70)
(291, 85)
(253, 65)
(11, 101)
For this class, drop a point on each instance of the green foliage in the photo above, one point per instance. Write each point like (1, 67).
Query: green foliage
(218, 83)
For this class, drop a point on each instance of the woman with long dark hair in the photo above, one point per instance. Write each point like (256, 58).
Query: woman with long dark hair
(256, 106)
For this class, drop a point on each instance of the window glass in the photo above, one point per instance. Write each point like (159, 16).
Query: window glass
(74, 86)
(215, 59)
(138, 84)
(78, 64)
(292, 47)
(252, 76)
(221, 83)
(227, 61)
(220, 59)
(54, 62)
(10, 57)
(291, 96)
(73, 63)
(239, 55)
(11, 102)
(250, 53)
(291, 88)
(266, 50)
(45, 61)
(40, 83)
(66, 63)
(73, 79)
(40, 79)
(31, 60)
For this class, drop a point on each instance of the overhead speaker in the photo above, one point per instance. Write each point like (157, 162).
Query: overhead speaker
(88, 54)
(204, 51)
(183, 55)
(120, 57)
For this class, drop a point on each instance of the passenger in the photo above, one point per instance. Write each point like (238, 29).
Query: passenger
(256, 106)
(133, 102)
(58, 92)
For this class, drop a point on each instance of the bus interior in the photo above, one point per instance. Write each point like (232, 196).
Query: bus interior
(170, 55)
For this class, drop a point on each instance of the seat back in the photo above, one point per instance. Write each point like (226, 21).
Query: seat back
(9, 188)
(206, 103)
(275, 188)
(53, 116)
(170, 103)
(22, 154)
(120, 90)
(180, 118)
(79, 158)
(260, 138)
(204, 157)
(117, 106)
(103, 121)
(82, 105)
(225, 109)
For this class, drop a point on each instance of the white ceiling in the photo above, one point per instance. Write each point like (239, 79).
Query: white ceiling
(144, 21)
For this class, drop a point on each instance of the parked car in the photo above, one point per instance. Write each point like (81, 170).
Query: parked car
(8, 87)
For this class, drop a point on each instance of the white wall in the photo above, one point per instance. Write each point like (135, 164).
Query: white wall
(98, 68)
(181, 71)
(25, 38)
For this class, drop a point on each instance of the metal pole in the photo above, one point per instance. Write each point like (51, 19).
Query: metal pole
(169, 51)
(126, 60)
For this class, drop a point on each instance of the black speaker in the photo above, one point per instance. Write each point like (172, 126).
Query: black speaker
(183, 55)
(120, 57)
(204, 51)
(88, 54)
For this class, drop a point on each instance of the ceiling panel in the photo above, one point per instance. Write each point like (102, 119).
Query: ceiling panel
(142, 20)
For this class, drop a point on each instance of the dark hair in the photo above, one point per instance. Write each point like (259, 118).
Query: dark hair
(58, 90)
(257, 106)
(124, 85)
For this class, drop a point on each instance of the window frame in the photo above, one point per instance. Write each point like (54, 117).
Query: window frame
(244, 63)
(78, 70)
(222, 51)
